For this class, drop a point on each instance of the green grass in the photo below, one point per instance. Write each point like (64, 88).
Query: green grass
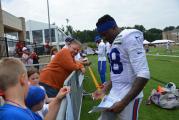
(162, 50)
(165, 69)
(89, 86)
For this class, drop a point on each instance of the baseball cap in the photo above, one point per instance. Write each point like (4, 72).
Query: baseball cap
(97, 38)
(35, 95)
(69, 39)
(24, 48)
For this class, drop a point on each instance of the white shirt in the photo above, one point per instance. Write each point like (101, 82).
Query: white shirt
(42, 113)
(26, 59)
(52, 57)
(168, 45)
(101, 51)
(128, 61)
(78, 56)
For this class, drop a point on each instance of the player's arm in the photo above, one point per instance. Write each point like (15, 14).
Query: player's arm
(137, 87)
(107, 85)
(98, 94)
(139, 64)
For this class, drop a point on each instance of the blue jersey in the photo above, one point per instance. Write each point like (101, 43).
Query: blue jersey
(11, 112)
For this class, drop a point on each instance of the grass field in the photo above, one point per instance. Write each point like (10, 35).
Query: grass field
(162, 50)
(163, 70)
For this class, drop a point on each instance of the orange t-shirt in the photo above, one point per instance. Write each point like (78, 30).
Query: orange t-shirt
(55, 73)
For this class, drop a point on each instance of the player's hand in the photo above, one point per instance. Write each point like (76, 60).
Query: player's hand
(87, 63)
(63, 91)
(117, 107)
(83, 70)
(98, 94)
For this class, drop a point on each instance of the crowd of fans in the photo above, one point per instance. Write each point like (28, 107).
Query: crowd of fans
(38, 94)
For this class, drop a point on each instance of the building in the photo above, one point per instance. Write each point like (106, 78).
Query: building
(15, 29)
(171, 35)
(10, 24)
(1, 23)
(38, 32)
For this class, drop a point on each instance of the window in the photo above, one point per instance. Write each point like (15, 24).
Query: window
(47, 38)
(27, 35)
(37, 36)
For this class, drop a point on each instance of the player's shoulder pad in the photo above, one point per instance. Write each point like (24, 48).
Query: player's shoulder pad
(126, 33)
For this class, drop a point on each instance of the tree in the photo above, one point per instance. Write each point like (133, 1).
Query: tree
(169, 28)
(85, 35)
(177, 27)
(88, 35)
(153, 34)
(139, 27)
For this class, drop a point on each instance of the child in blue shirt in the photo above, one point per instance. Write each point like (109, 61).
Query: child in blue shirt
(35, 101)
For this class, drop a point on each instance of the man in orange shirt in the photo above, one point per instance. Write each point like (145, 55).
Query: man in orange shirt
(53, 76)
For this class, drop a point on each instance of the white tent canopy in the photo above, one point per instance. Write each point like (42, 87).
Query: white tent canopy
(145, 42)
(89, 51)
(162, 41)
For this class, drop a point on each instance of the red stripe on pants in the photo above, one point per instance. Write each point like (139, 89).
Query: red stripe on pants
(135, 109)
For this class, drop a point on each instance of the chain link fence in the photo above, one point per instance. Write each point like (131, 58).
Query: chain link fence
(13, 48)
(3, 47)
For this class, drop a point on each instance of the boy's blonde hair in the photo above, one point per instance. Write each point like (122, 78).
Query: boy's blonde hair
(10, 69)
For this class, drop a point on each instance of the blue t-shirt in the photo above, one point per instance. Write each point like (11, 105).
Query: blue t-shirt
(11, 112)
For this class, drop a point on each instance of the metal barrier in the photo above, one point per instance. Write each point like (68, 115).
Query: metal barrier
(3, 47)
(41, 65)
(70, 108)
(13, 48)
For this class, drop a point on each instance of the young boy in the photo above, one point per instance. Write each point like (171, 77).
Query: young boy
(35, 101)
(14, 84)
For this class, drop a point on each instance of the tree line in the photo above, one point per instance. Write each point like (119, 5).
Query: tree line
(88, 35)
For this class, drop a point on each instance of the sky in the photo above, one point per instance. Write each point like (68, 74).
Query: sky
(83, 14)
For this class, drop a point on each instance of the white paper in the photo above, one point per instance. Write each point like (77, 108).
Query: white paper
(97, 109)
(106, 103)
